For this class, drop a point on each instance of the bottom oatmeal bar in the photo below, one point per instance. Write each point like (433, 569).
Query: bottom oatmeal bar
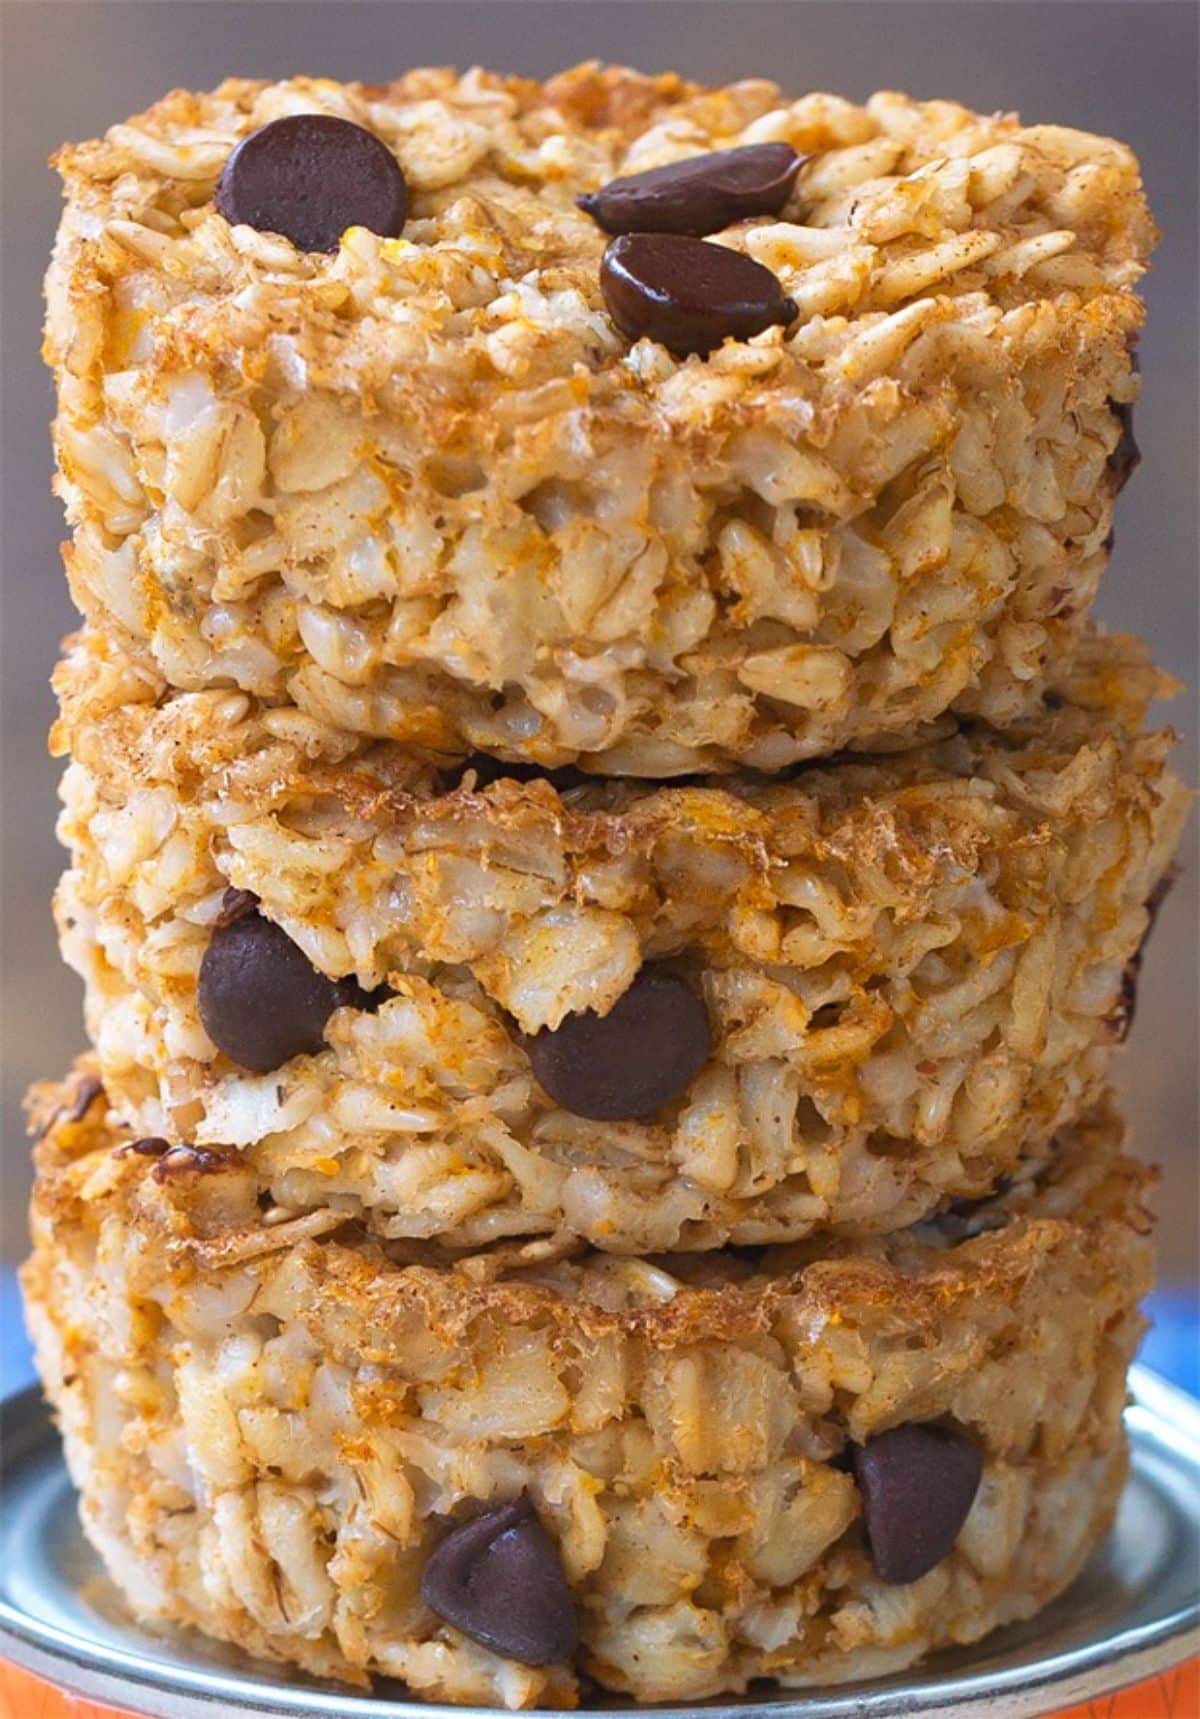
(513, 1477)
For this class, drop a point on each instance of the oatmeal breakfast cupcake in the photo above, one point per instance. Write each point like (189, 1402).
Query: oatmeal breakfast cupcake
(614, 421)
(648, 1016)
(511, 1478)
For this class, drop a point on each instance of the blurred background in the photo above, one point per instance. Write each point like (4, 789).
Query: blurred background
(1123, 67)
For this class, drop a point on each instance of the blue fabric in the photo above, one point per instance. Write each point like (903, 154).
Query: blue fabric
(1172, 1346)
(16, 1362)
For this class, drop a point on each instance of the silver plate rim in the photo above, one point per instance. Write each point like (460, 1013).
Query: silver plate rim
(1160, 1415)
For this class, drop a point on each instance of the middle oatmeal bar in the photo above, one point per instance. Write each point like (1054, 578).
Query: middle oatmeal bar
(425, 488)
(639, 1015)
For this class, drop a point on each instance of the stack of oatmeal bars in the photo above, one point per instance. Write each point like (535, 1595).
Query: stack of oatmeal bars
(608, 862)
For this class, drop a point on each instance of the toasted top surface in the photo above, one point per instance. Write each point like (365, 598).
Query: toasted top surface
(498, 266)
(198, 1211)
(120, 719)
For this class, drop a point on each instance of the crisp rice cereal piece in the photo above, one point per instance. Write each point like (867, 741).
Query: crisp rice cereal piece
(915, 968)
(422, 488)
(272, 1422)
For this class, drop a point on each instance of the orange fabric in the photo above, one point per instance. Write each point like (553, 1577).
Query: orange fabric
(1174, 1695)
(26, 1697)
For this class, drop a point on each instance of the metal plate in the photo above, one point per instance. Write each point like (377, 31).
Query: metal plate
(1135, 1610)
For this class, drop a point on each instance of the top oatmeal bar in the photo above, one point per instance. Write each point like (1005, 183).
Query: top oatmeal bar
(444, 482)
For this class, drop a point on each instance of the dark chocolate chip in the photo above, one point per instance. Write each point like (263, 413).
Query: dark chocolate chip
(700, 195)
(1120, 1022)
(178, 1160)
(183, 1160)
(86, 1091)
(499, 1580)
(628, 1064)
(1126, 457)
(961, 1220)
(918, 1483)
(1156, 897)
(688, 294)
(152, 1146)
(310, 176)
(261, 1000)
(236, 904)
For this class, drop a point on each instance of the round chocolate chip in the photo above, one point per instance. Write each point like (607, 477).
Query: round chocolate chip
(700, 195)
(688, 294)
(499, 1580)
(918, 1483)
(628, 1064)
(310, 176)
(1126, 457)
(260, 998)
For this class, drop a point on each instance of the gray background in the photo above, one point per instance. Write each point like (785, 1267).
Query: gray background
(1127, 68)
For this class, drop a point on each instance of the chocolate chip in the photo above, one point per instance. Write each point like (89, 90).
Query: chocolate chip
(1120, 1022)
(260, 998)
(961, 1220)
(1156, 897)
(85, 1093)
(918, 1483)
(310, 176)
(1126, 457)
(688, 294)
(236, 904)
(179, 1159)
(152, 1146)
(184, 1160)
(629, 1063)
(700, 195)
(499, 1580)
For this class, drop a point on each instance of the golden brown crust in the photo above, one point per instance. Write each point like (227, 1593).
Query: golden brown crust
(299, 1414)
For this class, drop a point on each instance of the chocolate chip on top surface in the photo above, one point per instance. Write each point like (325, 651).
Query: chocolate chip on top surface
(687, 294)
(311, 176)
(700, 195)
